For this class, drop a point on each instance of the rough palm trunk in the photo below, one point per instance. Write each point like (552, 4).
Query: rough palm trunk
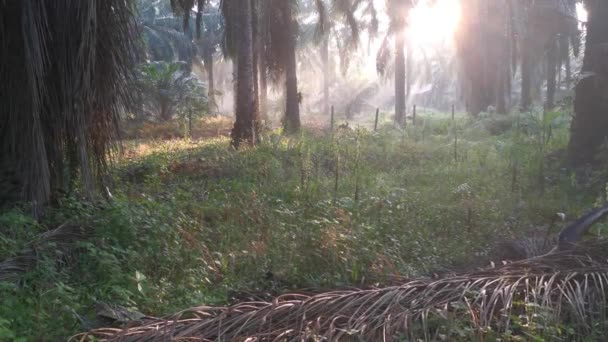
(478, 79)
(501, 55)
(526, 76)
(409, 72)
(568, 67)
(165, 110)
(208, 61)
(256, 49)
(551, 73)
(400, 78)
(325, 61)
(501, 82)
(292, 114)
(262, 65)
(243, 130)
(589, 128)
(263, 87)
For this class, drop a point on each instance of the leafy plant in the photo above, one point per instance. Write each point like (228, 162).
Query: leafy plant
(167, 90)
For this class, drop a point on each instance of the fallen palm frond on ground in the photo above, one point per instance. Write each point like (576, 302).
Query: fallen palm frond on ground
(561, 287)
(61, 240)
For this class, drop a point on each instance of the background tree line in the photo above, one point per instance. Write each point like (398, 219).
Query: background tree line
(62, 106)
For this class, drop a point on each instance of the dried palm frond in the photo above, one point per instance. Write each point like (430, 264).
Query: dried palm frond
(563, 286)
(62, 239)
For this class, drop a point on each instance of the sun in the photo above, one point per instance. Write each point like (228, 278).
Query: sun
(434, 23)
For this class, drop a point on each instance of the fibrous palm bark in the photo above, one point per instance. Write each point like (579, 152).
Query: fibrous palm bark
(325, 61)
(552, 59)
(244, 126)
(589, 128)
(65, 68)
(398, 11)
(292, 97)
(400, 78)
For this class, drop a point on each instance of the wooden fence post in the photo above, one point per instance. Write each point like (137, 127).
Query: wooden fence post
(414, 116)
(453, 112)
(376, 122)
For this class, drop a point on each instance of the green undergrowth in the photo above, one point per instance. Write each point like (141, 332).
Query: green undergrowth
(195, 222)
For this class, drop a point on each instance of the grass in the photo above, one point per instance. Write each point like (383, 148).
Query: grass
(194, 222)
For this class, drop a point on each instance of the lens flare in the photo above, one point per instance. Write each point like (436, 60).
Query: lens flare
(434, 23)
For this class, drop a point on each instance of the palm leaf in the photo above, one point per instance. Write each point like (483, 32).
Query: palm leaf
(61, 239)
(562, 286)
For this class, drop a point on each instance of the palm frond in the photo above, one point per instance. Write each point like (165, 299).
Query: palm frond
(561, 287)
(322, 25)
(347, 9)
(384, 55)
(279, 39)
(61, 239)
(229, 13)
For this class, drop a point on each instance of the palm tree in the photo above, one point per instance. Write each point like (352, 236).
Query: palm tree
(550, 25)
(589, 128)
(292, 96)
(162, 35)
(166, 89)
(212, 33)
(238, 16)
(329, 17)
(484, 50)
(397, 11)
(552, 59)
(280, 47)
(240, 20)
(65, 68)
(263, 18)
(184, 8)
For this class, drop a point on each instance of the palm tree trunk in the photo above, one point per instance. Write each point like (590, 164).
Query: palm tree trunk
(551, 73)
(589, 128)
(409, 79)
(243, 130)
(501, 82)
(292, 114)
(568, 72)
(400, 78)
(208, 61)
(262, 37)
(165, 109)
(526, 76)
(256, 49)
(325, 61)
(263, 87)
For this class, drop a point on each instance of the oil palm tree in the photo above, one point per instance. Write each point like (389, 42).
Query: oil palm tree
(262, 12)
(238, 16)
(184, 8)
(239, 43)
(553, 27)
(212, 33)
(65, 67)
(332, 14)
(281, 57)
(162, 33)
(484, 48)
(397, 11)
